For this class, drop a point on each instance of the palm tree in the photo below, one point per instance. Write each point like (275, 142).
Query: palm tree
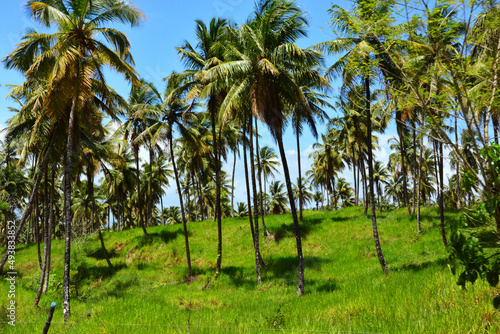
(279, 201)
(380, 175)
(365, 29)
(75, 65)
(269, 163)
(260, 62)
(206, 55)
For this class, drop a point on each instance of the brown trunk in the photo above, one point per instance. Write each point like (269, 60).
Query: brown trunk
(301, 195)
(259, 171)
(45, 237)
(254, 194)
(139, 196)
(184, 225)
(441, 196)
(67, 209)
(49, 230)
(296, 228)
(250, 214)
(370, 175)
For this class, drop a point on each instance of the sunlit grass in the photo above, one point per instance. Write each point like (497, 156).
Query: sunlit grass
(346, 289)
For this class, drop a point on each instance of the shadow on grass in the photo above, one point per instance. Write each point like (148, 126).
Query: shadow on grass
(442, 262)
(99, 254)
(329, 286)
(306, 226)
(165, 236)
(120, 288)
(284, 266)
(86, 271)
(239, 277)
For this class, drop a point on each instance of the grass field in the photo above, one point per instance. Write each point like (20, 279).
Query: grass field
(346, 290)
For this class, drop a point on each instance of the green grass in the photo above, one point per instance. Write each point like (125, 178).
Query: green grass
(346, 289)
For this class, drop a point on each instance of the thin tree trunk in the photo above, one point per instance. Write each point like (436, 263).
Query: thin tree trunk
(370, 175)
(301, 195)
(419, 227)
(150, 192)
(139, 196)
(414, 167)
(67, 209)
(49, 230)
(36, 232)
(406, 202)
(355, 184)
(365, 187)
(90, 186)
(495, 125)
(441, 197)
(184, 225)
(218, 217)
(250, 214)
(259, 171)
(254, 193)
(232, 184)
(45, 237)
(296, 228)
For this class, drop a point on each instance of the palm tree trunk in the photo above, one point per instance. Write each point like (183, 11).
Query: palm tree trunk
(355, 184)
(365, 187)
(90, 186)
(406, 202)
(49, 230)
(232, 184)
(45, 237)
(254, 192)
(370, 175)
(250, 215)
(441, 196)
(259, 171)
(139, 196)
(150, 192)
(296, 228)
(414, 166)
(495, 125)
(212, 111)
(184, 225)
(301, 197)
(67, 209)
(36, 232)
(419, 182)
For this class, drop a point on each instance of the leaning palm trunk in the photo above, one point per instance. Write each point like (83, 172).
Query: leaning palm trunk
(46, 235)
(250, 215)
(259, 172)
(67, 209)
(296, 229)
(370, 176)
(183, 214)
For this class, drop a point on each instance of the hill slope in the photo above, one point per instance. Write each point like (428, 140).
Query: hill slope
(346, 289)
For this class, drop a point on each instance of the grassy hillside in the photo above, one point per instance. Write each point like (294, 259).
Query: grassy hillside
(346, 289)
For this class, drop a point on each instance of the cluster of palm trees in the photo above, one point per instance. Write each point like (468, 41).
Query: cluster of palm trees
(238, 78)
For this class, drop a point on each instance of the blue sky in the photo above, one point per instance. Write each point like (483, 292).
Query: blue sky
(168, 24)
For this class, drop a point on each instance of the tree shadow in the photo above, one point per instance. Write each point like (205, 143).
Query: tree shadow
(441, 262)
(329, 286)
(86, 271)
(164, 236)
(239, 277)
(287, 230)
(285, 266)
(98, 254)
(120, 288)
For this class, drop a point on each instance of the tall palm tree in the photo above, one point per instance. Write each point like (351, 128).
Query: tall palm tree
(365, 30)
(75, 64)
(260, 64)
(380, 175)
(207, 54)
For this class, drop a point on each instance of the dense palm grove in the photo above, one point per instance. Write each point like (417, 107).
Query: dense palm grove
(70, 163)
